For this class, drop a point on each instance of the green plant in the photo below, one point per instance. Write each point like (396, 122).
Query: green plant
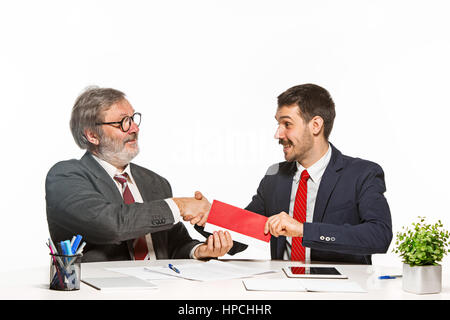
(424, 244)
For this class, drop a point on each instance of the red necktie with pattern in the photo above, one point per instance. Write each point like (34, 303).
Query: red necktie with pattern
(297, 250)
(140, 244)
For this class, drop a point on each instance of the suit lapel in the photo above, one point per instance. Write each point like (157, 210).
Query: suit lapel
(138, 180)
(329, 179)
(284, 188)
(97, 170)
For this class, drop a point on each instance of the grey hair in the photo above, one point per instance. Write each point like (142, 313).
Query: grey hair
(89, 109)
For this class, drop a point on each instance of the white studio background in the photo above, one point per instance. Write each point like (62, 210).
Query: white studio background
(205, 75)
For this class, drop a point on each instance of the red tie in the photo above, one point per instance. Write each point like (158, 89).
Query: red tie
(140, 244)
(297, 250)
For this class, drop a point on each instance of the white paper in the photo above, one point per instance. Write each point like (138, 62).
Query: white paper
(331, 285)
(293, 285)
(119, 283)
(141, 273)
(209, 271)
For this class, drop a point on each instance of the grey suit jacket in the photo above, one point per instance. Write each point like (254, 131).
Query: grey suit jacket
(83, 199)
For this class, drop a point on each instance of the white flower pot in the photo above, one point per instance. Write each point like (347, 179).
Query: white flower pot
(422, 279)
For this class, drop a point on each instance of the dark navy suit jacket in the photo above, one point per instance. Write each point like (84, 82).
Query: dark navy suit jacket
(351, 217)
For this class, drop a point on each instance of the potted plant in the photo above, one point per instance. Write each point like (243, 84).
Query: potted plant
(421, 248)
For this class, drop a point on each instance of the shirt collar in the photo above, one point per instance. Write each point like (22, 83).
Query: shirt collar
(112, 171)
(317, 169)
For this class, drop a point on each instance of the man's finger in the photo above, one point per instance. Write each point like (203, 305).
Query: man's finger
(217, 244)
(268, 224)
(274, 227)
(228, 241)
(198, 195)
(195, 220)
(228, 238)
(210, 243)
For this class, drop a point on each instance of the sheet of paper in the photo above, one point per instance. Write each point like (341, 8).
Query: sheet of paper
(119, 283)
(331, 285)
(209, 271)
(293, 285)
(141, 273)
(245, 226)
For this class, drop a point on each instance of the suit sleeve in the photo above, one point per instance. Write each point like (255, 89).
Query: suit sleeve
(257, 204)
(373, 233)
(76, 206)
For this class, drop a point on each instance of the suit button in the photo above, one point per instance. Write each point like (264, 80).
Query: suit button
(327, 239)
(322, 237)
(333, 238)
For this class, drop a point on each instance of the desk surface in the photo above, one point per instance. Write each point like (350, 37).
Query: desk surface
(33, 284)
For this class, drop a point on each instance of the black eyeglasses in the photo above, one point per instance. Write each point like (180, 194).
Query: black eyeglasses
(125, 123)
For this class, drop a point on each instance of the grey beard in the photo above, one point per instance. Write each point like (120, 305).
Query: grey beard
(114, 152)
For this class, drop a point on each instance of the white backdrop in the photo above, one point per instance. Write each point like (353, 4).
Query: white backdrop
(205, 75)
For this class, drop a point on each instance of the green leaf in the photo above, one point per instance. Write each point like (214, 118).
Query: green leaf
(424, 244)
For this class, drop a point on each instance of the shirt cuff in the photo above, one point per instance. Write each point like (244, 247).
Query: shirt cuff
(191, 255)
(175, 210)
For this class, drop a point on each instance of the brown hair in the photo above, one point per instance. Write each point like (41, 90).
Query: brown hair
(312, 101)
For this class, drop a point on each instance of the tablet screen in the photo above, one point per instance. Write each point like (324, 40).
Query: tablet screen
(314, 270)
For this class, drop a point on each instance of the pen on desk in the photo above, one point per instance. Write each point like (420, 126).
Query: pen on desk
(171, 266)
(390, 277)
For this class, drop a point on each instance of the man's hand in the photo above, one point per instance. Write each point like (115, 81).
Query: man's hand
(195, 209)
(283, 224)
(217, 245)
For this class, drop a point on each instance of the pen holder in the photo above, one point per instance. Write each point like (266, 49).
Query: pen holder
(65, 272)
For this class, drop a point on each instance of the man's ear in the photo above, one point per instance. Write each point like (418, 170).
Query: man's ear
(92, 137)
(316, 125)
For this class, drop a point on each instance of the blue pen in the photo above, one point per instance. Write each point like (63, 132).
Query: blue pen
(63, 248)
(171, 266)
(389, 277)
(63, 251)
(68, 248)
(76, 243)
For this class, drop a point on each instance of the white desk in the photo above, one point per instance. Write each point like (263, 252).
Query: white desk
(33, 284)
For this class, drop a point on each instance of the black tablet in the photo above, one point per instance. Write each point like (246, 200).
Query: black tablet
(313, 272)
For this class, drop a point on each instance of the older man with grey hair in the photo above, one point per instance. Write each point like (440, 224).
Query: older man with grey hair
(122, 210)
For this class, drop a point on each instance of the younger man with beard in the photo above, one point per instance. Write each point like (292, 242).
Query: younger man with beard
(122, 210)
(322, 205)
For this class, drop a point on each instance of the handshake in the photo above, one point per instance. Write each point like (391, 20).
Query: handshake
(195, 209)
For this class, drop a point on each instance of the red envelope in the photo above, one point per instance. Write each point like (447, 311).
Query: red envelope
(238, 220)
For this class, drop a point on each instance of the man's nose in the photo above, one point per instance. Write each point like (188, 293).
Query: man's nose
(133, 128)
(278, 133)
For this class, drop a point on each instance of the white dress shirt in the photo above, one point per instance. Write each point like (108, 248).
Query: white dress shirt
(315, 176)
(112, 171)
